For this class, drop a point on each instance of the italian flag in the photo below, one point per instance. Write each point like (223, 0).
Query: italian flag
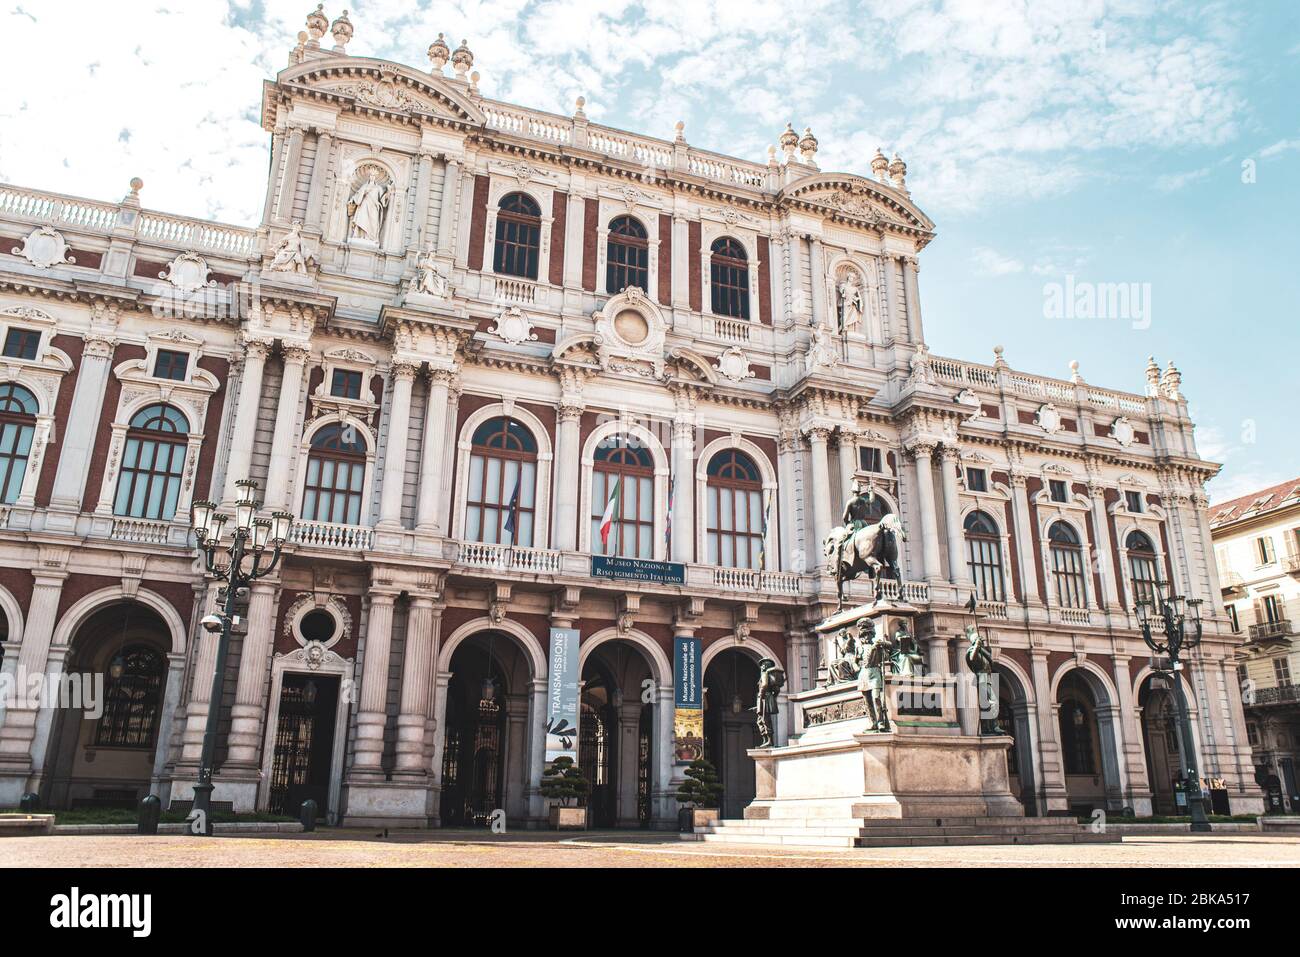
(611, 509)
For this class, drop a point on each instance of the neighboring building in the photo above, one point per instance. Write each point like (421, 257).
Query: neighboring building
(1257, 547)
(454, 303)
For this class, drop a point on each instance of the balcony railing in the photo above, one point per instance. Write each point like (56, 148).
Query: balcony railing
(541, 561)
(1074, 616)
(727, 329)
(514, 290)
(750, 580)
(1292, 564)
(994, 609)
(140, 531)
(1270, 630)
(348, 538)
(1230, 581)
(1283, 694)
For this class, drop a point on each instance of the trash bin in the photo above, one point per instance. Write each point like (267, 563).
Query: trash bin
(307, 814)
(29, 803)
(150, 812)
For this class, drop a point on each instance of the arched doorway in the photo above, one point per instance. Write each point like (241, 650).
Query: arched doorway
(1160, 741)
(1013, 720)
(104, 739)
(1087, 737)
(485, 737)
(730, 683)
(615, 735)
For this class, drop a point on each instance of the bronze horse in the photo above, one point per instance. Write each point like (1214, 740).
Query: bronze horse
(872, 549)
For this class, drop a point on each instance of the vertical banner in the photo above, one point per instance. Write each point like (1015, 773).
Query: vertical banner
(688, 704)
(562, 695)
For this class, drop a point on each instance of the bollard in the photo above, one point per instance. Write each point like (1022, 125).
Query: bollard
(307, 814)
(29, 803)
(150, 811)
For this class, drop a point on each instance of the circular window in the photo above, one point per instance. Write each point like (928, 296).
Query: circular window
(631, 327)
(318, 625)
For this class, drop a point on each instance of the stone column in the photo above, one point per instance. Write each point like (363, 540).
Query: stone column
(949, 462)
(817, 280)
(394, 463)
(1051, 772)
(923, 453)
(1024, 541)
(913, 291)
(372, 711)
(1132, 758)
(848, 467)
(319, 177)
(285, 439)
(892, 324)
(567, 477)
(289, 176)
(205, 665)
(422, 629)
(19, 732)
(447, 209)
(684, 490)
(250, 397)
(245, 739)
(1109, 573)
(272, 181)
(820, 491)
(430, 508)
(574, 224)
(78, 432)
(681, 274)
(795, 557)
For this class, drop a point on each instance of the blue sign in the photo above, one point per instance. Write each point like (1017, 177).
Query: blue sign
(688, 700)
(638, 569)
(562, 695)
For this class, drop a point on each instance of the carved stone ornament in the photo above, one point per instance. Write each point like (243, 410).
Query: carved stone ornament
(514, 326)
(1048, 419)
(968, 398)
(188, 272)
(429, 279)
(1122, 431)
(631, 327)
(291, 254)
(387, 93)
(44, 247)
(734, 364)
(822, 353)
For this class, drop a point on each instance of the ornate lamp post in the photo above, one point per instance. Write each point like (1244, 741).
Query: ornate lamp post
(1179, 619)
(238, 562)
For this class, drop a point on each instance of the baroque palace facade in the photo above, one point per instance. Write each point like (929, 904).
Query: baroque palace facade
(461, 328)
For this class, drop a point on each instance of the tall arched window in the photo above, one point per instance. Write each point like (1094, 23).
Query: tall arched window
(1067, 565)
(1142, 566)
(735, 511)
(628, 256)
(132, 699)
(622, 485)
(17, 426)
(519, 236)
(984, 557)
(729, 277)
(153, 461)
(336, 475)
(499, 500)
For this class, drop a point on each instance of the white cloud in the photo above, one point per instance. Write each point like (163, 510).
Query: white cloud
(990, 262)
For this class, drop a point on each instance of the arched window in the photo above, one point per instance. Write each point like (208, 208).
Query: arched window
(499, 501)
(336, 475)
(729, 277)
(1078, 727)
(622, 485)
(984, 557)
(735, 517)
(1142, 566)
(132, 699)
(153, 461)
(519, 236)
(17, 426)
(1067, 566)
(628, 256)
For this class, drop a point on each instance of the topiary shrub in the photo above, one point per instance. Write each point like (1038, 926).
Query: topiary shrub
(701, 788)
(564, 782)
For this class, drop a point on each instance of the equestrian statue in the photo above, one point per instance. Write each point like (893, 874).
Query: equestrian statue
(861, 547)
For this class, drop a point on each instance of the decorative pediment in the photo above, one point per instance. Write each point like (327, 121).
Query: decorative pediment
(687, 364)
(381, 85)
(349, 355)
(858, 198)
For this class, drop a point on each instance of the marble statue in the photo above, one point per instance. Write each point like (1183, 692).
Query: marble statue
(871, 679)
(771, 680)
(291, 254)
(821, 351)
(850, 303)
(979, 657)
(429, 280)
(366, 209)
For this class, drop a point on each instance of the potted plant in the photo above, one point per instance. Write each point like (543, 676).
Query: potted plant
(701, 790)
(564, 782)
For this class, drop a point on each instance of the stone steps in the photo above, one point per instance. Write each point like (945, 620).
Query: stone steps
(895, 832)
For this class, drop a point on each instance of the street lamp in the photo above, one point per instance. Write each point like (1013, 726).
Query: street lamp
(1179, 619)
(237, 563)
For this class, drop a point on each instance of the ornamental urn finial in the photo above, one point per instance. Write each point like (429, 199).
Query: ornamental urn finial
(808, 145)
(579, 108)
(898, 172)
(439, 54)
(999, 361)
(341, 31)
(1153, 377)
(1171, 383)
(679, 131)
(771, 156)
(317, 24)
(879, 166)
(1074, 371)
(133, 198)
(789, 141)
(462, 59)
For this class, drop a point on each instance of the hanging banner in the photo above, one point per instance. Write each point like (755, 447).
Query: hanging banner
(688, 704)
(562, 695)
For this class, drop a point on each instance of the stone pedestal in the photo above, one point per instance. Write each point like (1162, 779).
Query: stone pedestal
(387, 804)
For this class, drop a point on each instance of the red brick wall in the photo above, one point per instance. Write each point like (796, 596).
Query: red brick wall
(73, 346)
(591, 213)
(764, 283)
(693, 265)
(478, 222)
(665, 260)
(559, 217)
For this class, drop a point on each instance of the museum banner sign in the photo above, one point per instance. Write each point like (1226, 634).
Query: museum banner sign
(562, 695)
(638, 569)
(688, 704)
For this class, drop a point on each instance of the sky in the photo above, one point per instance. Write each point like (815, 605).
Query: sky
(1142, 155)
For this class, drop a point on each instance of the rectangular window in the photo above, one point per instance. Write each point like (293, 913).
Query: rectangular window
(346, 384)
(1233, 620)
(22, 343)
(977, 480)
(171, 365)
(870, 460)
(1057, 490)
(1252, 735)
(1282, 671)
(1264, 554)
(1272, 606)
(1133, 501)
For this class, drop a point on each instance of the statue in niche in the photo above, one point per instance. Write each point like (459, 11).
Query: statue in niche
(366, 208)
(291, 254)
(429, 279)
(850, 302)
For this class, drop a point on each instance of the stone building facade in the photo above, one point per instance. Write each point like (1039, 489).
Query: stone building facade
(1257, 548)
(459, 315)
